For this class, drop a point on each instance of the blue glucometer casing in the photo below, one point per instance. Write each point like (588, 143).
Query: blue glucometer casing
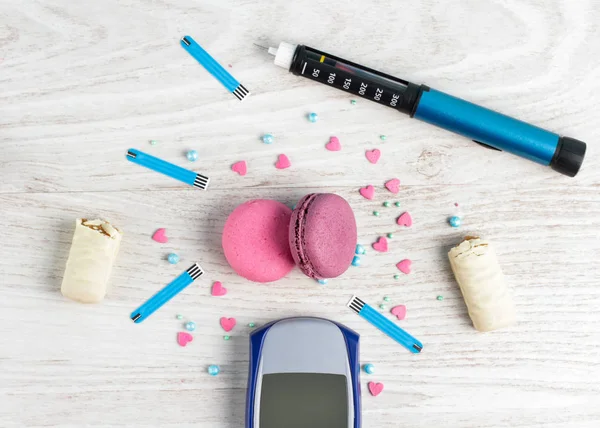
(304, 373)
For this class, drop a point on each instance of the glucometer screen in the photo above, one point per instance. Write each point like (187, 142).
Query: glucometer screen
(303, 400)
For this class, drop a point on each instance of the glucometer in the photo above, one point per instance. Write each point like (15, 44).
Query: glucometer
(304, 373)
(485, 127)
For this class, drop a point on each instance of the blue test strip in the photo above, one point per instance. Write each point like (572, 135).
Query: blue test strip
(214, 68)
(167, 293)
(382, 323)
(178, 173)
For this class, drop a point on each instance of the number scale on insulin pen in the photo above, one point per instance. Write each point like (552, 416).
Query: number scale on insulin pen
(484, 126)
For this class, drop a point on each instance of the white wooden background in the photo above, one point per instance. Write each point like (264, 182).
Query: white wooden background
(82, 81)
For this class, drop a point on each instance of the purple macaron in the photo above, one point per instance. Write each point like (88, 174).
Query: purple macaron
(323, 235)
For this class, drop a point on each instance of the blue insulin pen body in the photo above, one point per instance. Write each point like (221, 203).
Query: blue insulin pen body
(484, 126)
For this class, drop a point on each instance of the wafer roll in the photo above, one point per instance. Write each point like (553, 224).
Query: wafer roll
(482, 284)
(93, 251)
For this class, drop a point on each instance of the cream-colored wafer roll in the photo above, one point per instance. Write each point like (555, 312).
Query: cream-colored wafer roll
(482, 284)
(93, 251)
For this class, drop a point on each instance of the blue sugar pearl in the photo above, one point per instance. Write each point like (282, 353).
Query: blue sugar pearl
(369, 368)
(313, 117)
(190, 326)
(173, 258)
(322, 281)
(454, 221)
(268, 139)
(360, 249)
(356, 261)
(213, 370)
(192, 155)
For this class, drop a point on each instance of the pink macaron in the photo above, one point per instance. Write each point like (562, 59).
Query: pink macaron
(263, 239)
(255, 240)
(322, 235)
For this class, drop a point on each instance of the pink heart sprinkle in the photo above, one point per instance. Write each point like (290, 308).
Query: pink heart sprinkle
(404, 266)
(160, 236)
(373, 155)
(218, 289)
(240, 167)
(184, 338)
(399, 311)
(405, 220)
(283, 162)
(333, 145)
(393, 185)
(227, 323)
(367, 192)
(375, 388)
(381, 245)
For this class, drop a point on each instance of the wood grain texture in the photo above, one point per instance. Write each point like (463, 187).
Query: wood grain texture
(80, 82)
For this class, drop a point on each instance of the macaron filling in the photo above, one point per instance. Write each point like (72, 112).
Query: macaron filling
(299, 236)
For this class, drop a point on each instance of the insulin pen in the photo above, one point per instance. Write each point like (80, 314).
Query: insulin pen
(483, 126)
